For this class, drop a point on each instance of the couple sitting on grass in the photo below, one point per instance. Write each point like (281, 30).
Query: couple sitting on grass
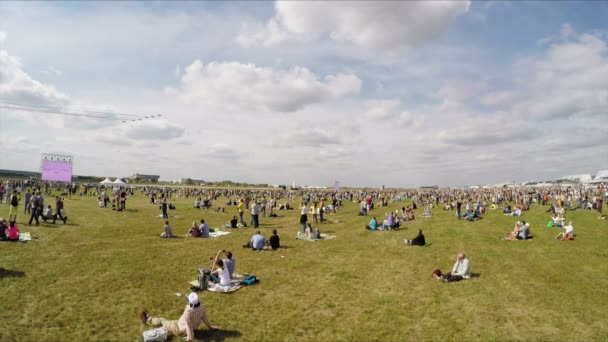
(258, 242)
(223, 270)
(521, 231)
(461, 270)
(200, 231)
(10, 232)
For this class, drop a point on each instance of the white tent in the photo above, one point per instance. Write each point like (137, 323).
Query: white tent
(118, 182)
(106, 182)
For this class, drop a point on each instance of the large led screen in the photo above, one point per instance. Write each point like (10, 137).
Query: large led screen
(56, 171)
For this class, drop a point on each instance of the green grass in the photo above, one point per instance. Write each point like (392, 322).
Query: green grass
(88, 280)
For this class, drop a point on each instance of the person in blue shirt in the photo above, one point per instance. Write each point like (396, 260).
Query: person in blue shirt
(258, 241)
(204, 228)
(373, 224)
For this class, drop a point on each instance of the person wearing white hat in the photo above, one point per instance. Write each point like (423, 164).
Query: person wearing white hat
(194, 314)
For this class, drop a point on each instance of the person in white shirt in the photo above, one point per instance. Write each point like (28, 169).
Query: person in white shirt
(220, 274)
(568, 234)
(194, 314)
(461, 270)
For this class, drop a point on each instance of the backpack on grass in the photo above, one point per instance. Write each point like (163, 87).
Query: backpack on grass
(249, 280)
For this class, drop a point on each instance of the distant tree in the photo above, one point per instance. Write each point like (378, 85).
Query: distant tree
(189, 181)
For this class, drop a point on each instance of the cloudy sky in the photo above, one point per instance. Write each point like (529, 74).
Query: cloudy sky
(380, 93)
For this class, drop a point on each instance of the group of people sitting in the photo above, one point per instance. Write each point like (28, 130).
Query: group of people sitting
(515, 212)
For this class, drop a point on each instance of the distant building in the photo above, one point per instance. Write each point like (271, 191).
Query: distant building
(191, 181)
(145, 178)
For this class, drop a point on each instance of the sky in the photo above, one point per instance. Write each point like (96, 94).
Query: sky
(396, 93)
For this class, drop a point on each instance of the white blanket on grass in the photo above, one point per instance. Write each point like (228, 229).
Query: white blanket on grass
(235, 284)
(323, 237)
(218, 234)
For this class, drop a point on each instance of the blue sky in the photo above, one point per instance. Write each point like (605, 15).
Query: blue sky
(394, 93)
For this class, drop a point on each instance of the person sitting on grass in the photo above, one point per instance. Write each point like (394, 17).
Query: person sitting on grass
(558, 221)
(204, 228)
(520, 232)
(257, 243)
(275, 242)
(194, 231)
(506, 209)
(568, 234)
(193, 316)
(168, 232)
(12, 232)
(3, 228)
(220, 274)
(461, 270)
(229, 262)
(373, 224)
(417, 241)
(427, 212)
(233, 223)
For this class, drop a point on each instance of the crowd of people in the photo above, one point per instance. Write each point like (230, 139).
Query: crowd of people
(468, 204)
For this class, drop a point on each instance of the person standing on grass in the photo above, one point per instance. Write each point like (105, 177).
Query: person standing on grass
(461, 270)
(164, 207)
(58, 209)
(26, 204)
(303, 215)
(193, 316)
(14, 202)
(241, 209)
(255, 214)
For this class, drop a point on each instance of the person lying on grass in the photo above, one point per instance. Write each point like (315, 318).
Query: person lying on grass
(417, 241)
(568, 234)
(461, 270)
(194, 314)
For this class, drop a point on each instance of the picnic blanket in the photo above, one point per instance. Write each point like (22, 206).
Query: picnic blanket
(25, 236)
(235, 284)
(218, 233)
(323, 237)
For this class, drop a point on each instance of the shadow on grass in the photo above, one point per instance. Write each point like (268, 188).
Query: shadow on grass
(216, 335)
(10, 273)
(475, 275)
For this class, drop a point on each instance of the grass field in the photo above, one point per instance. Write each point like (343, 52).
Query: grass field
(89, 279)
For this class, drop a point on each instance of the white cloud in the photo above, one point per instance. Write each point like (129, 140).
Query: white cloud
(16, 86)
(378, 24)
(154, 129)
(2, 38)
(238, 86)
(500, 97)
(382, 109)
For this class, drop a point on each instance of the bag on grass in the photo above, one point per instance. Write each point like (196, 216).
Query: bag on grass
(550, 224)
(156, 335)
(249, 280)
(203, 279)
